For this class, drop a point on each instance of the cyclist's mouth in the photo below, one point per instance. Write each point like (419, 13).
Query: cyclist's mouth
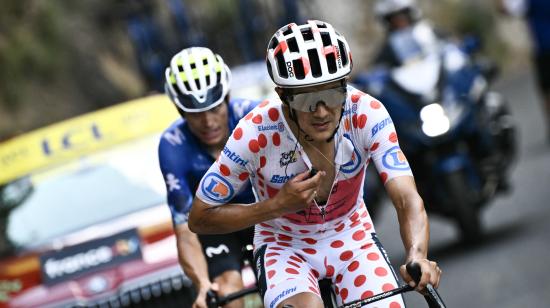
(211, 134)
(321, 126)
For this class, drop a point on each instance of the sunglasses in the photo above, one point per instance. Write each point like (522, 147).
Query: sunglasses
(308, 101)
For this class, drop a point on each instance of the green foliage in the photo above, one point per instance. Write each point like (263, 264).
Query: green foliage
(474, 18)
(30, 41)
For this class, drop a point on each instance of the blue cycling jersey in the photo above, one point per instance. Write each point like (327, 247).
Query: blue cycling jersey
(538, 17)
(184, 160)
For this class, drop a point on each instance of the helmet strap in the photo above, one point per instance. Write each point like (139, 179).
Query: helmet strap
(337, 126)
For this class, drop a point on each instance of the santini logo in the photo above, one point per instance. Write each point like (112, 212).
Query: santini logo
(234, 157)
(278, 297)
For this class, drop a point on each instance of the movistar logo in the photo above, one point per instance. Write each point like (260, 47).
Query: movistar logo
(211, 251)
(234, 157)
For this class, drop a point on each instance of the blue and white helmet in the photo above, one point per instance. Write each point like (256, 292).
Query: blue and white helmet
(384, 8)
(197, 79)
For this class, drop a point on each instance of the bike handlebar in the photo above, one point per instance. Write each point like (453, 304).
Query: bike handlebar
(213, 300)
(432, 297)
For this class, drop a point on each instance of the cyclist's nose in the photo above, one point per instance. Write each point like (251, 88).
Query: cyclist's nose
(320, 109)
(209, 119)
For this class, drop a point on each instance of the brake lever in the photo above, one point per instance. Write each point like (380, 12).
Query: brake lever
(212, 299)
(432, 297)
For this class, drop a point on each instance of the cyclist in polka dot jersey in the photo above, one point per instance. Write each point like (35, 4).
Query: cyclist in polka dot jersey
(311, 226)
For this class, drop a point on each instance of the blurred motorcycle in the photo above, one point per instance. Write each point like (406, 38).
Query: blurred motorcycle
(456, 132)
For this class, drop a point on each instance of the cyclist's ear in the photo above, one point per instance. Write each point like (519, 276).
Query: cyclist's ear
(281, 92)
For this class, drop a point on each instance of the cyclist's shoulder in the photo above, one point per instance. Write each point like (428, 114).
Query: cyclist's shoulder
(175, 139)
(361, 102)
(265, 112)
(239, 107)
(357, 95)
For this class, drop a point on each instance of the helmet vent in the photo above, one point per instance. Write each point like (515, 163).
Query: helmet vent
(218, 76)
(208, 79)
(274, 42)
(187, 87)
(292, 44)
(307, 34)
(269, 69)
(204, 61)
(287, 31)
(343, 53)
(314, 63)
(331, 63)
(193, 65)
(298, 69)
(321, 25)
(281, 66)
(197, 83)
(326, 39)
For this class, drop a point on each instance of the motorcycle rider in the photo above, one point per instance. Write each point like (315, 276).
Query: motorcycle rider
(197, 81)
(395, 15)
(411, 42)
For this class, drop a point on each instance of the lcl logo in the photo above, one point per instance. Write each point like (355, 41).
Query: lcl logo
(71, 139)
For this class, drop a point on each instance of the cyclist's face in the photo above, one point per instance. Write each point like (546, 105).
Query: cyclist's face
(320, 123)
(399, 21)
(210, 126)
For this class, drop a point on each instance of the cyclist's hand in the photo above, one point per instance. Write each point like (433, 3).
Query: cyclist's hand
(431, 273)
(298, 192)
(200, 301)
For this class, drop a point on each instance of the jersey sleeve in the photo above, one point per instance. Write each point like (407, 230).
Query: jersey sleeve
(230, 172)
(380, 140)
(172, 165)
(240, 107)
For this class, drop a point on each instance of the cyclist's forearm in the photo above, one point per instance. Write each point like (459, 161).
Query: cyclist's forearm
(414, 227)
(190, 256)
(207, 219)
(413, 220)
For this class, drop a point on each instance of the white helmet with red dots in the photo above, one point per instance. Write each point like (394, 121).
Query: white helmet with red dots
(307, 55)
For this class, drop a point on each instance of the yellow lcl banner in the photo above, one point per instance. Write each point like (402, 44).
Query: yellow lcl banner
(84, 134)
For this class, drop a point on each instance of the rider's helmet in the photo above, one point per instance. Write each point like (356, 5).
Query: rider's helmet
(306, 55)
(197, 79)
(383, 9)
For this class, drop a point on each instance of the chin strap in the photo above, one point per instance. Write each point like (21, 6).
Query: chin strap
(337, 126)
